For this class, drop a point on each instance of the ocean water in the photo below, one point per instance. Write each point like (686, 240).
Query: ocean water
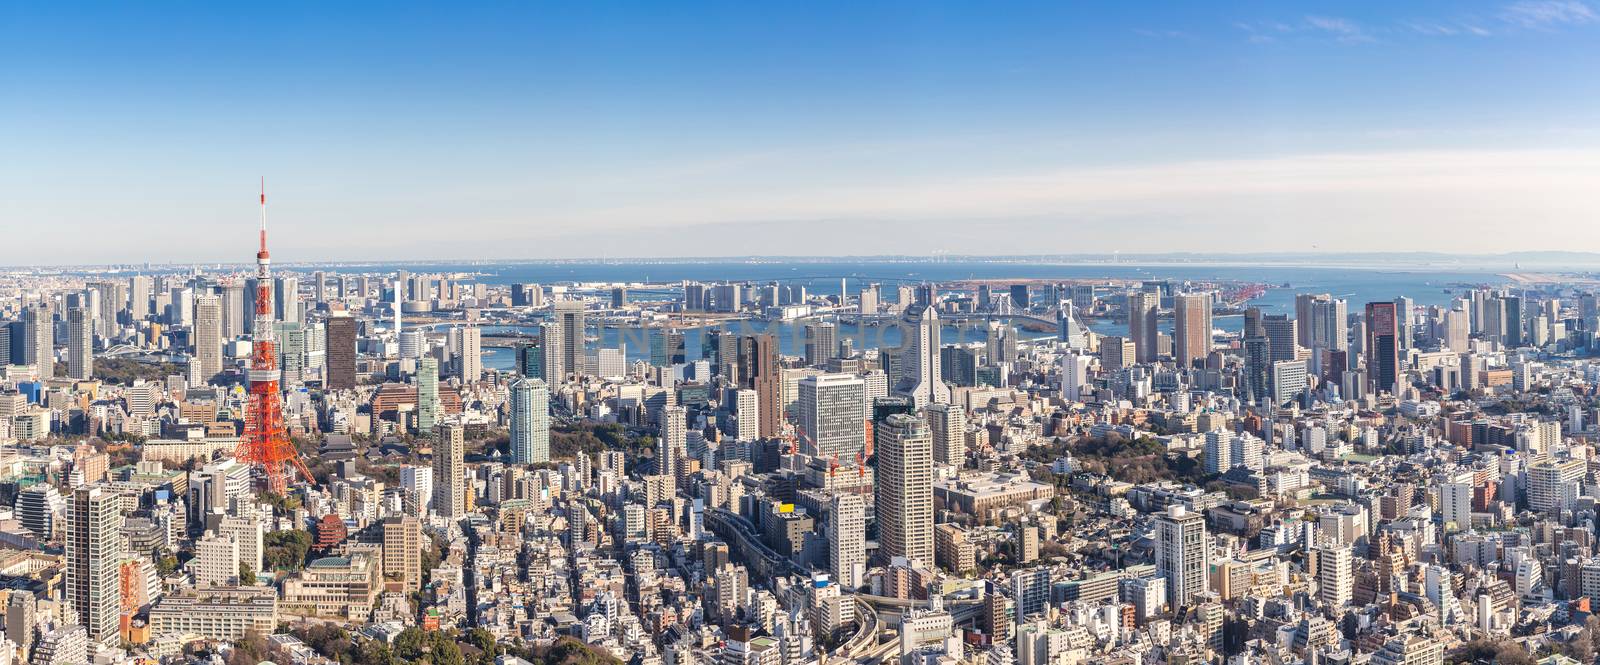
(1357, 285)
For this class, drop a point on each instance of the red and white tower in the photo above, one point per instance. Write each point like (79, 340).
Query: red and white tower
(266, 444)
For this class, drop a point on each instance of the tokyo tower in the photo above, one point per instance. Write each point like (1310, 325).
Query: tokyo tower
(266, 444)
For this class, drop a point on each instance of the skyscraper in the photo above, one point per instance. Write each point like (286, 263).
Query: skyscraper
(1181, 554)
(233, 310)
(1382, 347)
(1142, 309)
(667, 348)
(139, 289)
(80, 344)
(530, 421)
(947, 424)
(920, 378)
(207, 335)
(1191, 339)
(93, 552)
(468, 352)
(832, 409)
(449, 495)
(38, 345)
(904, 488)
(402, 550)
(746, 414)
(758, 369)
(569, 316)
(847, 539)
(822, 343)
(340, 348)
(427, 395)
(673, 445)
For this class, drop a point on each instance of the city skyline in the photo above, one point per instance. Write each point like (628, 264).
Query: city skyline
(721, 129)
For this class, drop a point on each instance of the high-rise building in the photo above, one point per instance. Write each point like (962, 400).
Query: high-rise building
(947, 424)
(671, 457)
(746, 415)
(1074, 377)
(93, 554)
(1191, 339)
(467, 352)
(667, 348)
(822, 343)
(904, 488)
(233, 310)
(832, 409)
(569, 316)
(402, 550)
(1142, 309)
(80, 344)
(208, 335)
(449, 471)
(531, 359)
(1335, 578)
(1553, 484)
(340, 348)
(1383, 347)
(758, 369)
(427, 395)
(1288, 380)
(139, 290)
(1181, 554)
(847, 539)
(920, 377)
(216, 560)
(530, 421)
(552, 347)
(38, 341)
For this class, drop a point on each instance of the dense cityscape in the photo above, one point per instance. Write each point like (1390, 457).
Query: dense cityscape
(243, 466)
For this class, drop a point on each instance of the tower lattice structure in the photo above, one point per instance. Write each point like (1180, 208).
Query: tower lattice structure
(266, 446)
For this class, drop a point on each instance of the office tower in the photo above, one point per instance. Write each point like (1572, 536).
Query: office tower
(7, 356)
(427, 395)
(673, 445)
(569, 316)
(286, 298)
(417, 483)
(1142, 309)
(867, 302)
(904, 490)
(667, 348)
(1191, 338)
(467, 352)
(39, 335)
(1323, 321)
(1019, 296)
(920, 377)
(1257, 353)
(1512, 324)
(619, 297)
(1288, 380)
(746, 415)
(340, 347)
(822, 343)
(1335, 579)
(1382, 347)
(216, 560)
(530, 421)
(80, 344)
(1117, 353)
(758, 369)
(832, 409)
(847, 539)
(531, 359)
(113, 302)
(180, 306)
(527, 295)
(449, 494)
(207, 337)
(93, 552)
(139, 290)
(233, 299)
(1000, 343)
(1074, 377)
(947, 424)
(20, 619)
(402, 550)
(552, 347)
(1181, 554)
(958, 366)
(721, 348)
(610, 363)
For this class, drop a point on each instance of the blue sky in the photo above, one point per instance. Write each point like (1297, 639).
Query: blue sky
(535, 130)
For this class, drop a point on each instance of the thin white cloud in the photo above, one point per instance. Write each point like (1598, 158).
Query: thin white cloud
(1546, 14)
(1341, 29)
